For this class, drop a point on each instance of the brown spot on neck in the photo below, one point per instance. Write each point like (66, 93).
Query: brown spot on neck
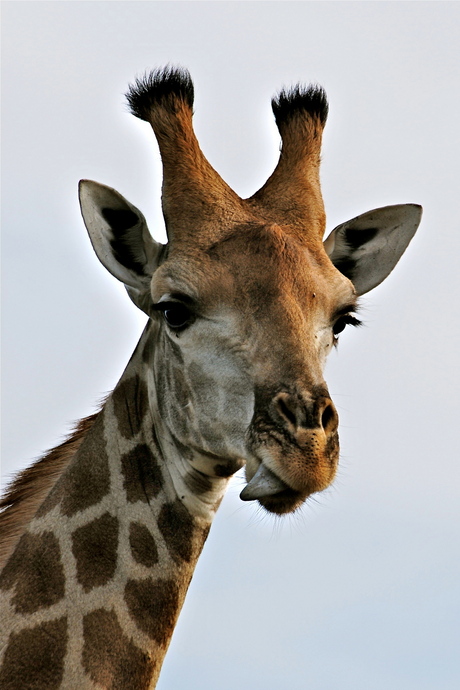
(177, 527)
(143, 547)
(109, 657)
(36, 572)
(34, 658)
(142, 478)
(130, 403)
(154, 607)
(95, 549)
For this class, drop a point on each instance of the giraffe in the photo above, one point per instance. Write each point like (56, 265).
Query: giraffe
(101, 536)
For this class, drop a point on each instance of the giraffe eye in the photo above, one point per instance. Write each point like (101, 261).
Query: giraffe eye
(345, 320)
(176, 314)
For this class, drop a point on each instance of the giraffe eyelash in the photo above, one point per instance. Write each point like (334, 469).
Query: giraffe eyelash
(341, 322)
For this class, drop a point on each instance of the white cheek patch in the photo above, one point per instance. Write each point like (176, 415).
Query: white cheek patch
(219, 403)
(225, 408)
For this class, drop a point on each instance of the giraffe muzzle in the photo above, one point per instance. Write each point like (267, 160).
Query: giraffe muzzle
(294, 440)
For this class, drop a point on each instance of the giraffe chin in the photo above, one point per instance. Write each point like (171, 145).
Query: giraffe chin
(286, 501)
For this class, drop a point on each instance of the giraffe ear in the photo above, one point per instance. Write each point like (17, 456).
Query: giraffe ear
(120, 237)
(368, 247)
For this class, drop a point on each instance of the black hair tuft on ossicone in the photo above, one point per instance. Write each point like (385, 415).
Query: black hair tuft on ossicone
(165, 85)
(300, 99)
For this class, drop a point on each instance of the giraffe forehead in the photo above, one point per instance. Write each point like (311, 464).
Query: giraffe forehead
(255, 264)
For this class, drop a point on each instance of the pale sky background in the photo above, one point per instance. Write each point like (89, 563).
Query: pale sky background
(361, 590)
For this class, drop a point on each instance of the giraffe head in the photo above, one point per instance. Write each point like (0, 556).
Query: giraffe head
(245, 301)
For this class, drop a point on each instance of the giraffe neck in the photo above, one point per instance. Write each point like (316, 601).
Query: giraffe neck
(96, 583)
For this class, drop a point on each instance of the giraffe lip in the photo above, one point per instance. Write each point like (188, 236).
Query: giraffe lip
(264, 483)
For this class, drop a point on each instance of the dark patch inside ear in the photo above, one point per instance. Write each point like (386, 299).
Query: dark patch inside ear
(124, 243)
(119, 219)
(355, 238)
(311, 100)
(346, 266)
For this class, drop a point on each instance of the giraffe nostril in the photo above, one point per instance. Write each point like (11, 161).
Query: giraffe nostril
(303, 412)
(329, 417)
(286, 411)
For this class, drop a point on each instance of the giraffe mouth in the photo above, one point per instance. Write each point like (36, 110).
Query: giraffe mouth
(263, 483)
(271, 492)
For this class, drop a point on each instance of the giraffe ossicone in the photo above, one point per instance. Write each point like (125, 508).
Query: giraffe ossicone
(100, 537)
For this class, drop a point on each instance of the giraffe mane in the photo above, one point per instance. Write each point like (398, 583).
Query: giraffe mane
(29, 488)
